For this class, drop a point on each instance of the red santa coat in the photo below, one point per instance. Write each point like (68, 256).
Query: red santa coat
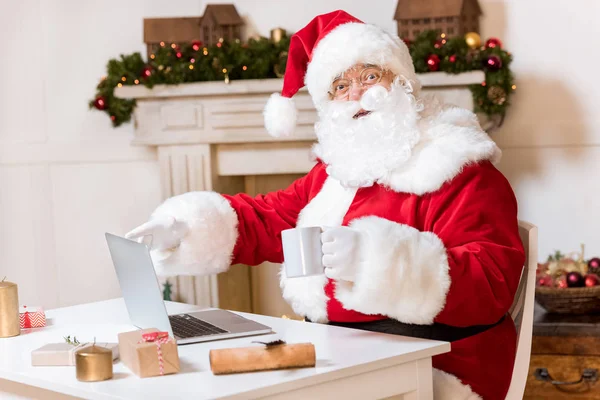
(442, 246)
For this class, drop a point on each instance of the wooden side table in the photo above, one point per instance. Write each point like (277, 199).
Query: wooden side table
(565, 357)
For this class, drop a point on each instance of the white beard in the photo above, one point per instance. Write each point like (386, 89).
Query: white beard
(359, 152)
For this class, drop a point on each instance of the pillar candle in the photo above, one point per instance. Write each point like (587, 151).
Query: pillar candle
(9, 309)
(94, 363)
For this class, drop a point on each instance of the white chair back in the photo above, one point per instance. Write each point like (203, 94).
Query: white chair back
(522, 311)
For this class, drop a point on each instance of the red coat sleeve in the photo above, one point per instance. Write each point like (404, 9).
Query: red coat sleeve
(475, 216)
(262, 218)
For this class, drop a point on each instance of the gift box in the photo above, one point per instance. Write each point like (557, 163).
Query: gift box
(64, 353)
(149, 352)
(31, 317)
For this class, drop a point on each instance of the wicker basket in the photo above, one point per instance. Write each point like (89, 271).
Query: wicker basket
(585, 300)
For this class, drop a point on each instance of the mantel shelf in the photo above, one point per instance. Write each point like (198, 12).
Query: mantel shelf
(248, 86)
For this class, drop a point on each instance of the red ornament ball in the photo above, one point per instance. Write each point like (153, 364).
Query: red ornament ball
(591, 280)
(575, 279)
(100, 103)
(433, 62)
(196, 44)
(493, 63)
(452, 58)
(545, 280)
(594, 264)
(178, 54)
(146, 72)
(112, 117)
(492, 43)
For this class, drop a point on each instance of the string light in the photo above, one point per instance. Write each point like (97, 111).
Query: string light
(119, 84)
(443, 35)
(152, 56)
(191, 66)
(514, 87)
(192, 60)
(220, 40)
(123, 79)
(205, 52)
(162, 44)
(219, 44)
(244, 68)
(173, 45)
(483, 83)
(161, 67)
(136, 82)
(224, 70)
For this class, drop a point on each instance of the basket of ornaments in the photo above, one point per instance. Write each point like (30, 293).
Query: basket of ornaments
(569, 284)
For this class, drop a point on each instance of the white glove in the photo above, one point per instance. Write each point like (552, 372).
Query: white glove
(166, 232)
(341, 252)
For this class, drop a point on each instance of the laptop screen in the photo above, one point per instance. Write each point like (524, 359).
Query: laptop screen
(139, 284)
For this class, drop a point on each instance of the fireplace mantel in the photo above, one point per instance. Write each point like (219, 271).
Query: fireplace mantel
(211, 136)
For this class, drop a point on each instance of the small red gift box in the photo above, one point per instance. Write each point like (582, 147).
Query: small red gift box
(31, 317)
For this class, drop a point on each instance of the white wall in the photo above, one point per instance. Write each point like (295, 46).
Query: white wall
(66, 176)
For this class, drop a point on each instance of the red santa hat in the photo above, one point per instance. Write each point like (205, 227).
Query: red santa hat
(330, 44)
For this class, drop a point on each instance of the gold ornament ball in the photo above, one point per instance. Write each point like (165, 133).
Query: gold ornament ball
(473, 40)
(496, 95)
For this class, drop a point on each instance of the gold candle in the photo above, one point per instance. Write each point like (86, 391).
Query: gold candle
(9, 309)
(94, 363)
(277, 34)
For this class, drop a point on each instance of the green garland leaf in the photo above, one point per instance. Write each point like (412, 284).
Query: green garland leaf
(260, 58)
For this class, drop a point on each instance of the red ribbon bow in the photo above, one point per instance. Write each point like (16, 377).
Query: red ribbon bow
(154, 336)
(158, 338)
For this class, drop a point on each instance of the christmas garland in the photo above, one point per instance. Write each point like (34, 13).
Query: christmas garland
(261, 58)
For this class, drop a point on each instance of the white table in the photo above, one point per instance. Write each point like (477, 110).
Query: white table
(351, 364)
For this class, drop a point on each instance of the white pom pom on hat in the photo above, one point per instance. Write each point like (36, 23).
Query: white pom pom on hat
(280, 115)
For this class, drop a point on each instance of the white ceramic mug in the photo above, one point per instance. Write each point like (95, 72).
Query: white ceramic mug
(302, 251)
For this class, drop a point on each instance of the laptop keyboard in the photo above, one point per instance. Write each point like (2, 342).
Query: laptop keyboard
(186, 326)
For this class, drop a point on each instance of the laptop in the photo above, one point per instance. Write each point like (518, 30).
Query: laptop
(144, 301)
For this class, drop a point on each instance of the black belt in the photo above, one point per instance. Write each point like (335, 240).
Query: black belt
(435, 331)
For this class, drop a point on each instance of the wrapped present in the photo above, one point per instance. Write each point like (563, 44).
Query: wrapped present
(149, 352)
(64, 353)
(31, 317)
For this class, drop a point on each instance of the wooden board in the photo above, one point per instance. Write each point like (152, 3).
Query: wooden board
(569, 345)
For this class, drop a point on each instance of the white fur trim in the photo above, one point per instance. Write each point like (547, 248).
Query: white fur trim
(208, 247)
(449, 387)
(451, 138)
(403, 273)
(307, 295)
(280, 115)
(353, 43)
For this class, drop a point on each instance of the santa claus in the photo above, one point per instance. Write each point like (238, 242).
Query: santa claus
(420, 231)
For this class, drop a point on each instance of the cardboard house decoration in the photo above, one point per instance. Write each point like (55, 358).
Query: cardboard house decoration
(452, 17)
(219, 21)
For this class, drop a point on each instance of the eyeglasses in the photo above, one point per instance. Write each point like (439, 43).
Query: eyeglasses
(369, 76)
